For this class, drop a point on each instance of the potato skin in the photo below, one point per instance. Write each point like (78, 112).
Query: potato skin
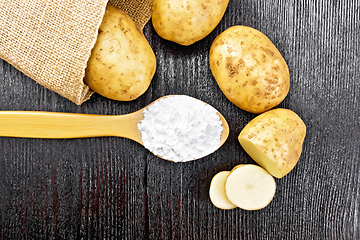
(184, 21)
(279, 134)
(249, 69)
(122, 63)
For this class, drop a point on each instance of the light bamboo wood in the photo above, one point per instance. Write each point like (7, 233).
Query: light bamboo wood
(32, 124)
(55, 125)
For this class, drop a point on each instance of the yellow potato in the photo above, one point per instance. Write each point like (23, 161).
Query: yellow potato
(186, 22)
(249, 69)
(122, 63)
(274, 140)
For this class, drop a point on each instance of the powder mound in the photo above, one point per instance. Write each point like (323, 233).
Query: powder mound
(181, 128)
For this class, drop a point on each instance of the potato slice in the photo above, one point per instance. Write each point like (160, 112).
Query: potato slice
(274, 140)
(237, 166)
(217, 191)
(250, 187)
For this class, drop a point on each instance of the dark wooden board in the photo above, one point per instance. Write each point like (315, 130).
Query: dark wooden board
(112, 188)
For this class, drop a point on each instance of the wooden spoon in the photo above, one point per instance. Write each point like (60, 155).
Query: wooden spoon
(36, 124)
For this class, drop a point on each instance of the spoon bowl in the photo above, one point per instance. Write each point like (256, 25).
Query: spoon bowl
(54, 125)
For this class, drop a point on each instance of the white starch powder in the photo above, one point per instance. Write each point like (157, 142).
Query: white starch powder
(181, 128)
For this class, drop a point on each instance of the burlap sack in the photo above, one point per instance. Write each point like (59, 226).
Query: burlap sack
(51, 41)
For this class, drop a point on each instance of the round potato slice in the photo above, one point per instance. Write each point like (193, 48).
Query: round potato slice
(250, 187)
(237, 166)
(217, 191)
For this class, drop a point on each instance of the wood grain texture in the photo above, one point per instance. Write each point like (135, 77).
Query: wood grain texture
(112, 188)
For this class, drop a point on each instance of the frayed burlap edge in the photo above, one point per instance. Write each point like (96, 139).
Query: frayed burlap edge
(138, 10)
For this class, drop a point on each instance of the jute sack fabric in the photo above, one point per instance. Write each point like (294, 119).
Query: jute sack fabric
(138, 10)
(51, 41)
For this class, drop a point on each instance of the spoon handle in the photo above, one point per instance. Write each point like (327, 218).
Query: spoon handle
(33, 124)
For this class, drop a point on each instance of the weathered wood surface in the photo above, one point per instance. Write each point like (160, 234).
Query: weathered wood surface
(108, 188)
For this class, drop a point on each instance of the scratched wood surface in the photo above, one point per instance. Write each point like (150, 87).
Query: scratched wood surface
(112, 188)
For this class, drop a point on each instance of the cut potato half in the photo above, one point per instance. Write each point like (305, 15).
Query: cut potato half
(217, 191)
(261, 158)
(250, 187)
(274, 140)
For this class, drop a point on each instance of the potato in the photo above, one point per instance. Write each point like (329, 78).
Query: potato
(186, 22)
(249, 69)
(217, 191)
(274, 140)
(122, 63)
(237, 166)
(250, 187)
